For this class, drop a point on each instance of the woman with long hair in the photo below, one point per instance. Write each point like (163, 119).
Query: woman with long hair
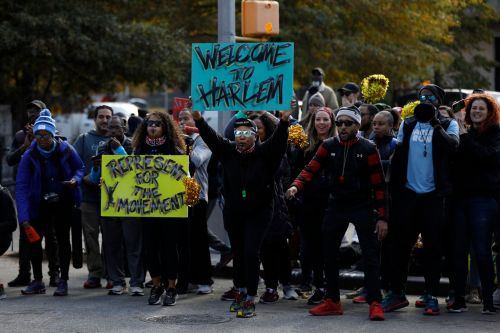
(477, 189)
(159, 135)
(312, 202)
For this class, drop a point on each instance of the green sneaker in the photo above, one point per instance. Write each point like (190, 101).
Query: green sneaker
(247, 310)
(237, 303)
(355, 293)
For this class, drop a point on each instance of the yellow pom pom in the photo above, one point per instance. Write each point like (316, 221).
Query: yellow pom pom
(408, 109)
(193, 189)
(374, 87)
(297, 136)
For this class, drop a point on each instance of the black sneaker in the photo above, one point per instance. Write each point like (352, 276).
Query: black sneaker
(458, 305)
(170, 297)
(155, 296)
(62, 288)
(317, 297)
(54, 281)
(19, 281)
(489, 308)
(149, 284)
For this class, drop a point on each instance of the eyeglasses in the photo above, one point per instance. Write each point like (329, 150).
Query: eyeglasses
(43, 136)
(347, 123)
(246, 133)
(430, 98)
(156, 123)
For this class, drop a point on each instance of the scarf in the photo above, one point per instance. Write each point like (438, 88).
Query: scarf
(155, 141)
(46, 153)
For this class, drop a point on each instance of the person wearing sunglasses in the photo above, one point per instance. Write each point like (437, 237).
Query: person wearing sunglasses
(350, 94)
(159, 134)
(357, 194)
(249, 190)
(420, 184)
(47, 188)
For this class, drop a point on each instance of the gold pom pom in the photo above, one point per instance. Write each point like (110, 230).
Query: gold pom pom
(374, 88)
(297, 136)
(408, 109)
(193, 189)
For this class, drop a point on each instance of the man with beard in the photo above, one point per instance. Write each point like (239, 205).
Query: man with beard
(357, 190)
(368, 111)
(420, 184)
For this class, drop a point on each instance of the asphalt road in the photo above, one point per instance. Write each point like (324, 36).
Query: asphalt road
(95, 311)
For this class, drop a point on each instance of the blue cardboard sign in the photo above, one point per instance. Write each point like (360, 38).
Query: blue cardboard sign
(242, 76)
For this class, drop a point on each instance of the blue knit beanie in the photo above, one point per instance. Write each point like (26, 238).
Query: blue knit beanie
(45, 122)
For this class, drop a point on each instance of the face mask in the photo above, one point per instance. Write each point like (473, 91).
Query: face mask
(316, 83)
(424, 112)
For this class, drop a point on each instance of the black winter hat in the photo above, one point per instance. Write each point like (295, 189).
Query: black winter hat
(245, 122)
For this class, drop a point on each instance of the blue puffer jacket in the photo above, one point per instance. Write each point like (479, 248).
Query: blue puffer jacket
(29, 180)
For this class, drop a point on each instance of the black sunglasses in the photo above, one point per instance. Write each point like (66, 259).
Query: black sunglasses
(347, 123)
(345, 93)
(152, 123)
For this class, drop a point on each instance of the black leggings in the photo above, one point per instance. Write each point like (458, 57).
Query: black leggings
(275, 257)
(246, 232)
(160, 241)
(57, 216)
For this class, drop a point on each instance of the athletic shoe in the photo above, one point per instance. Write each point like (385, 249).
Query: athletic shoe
(117, 290)
(35, 287)
(305, 288)
(19, 282)
(496, 297)
(155, 295)
(431, 307)
(420, 302)
(92, 283)
(238, 302)
(457, 306)
(289, 293)
(376, 311)
(149, 284)
(473, 297)
(317, 297)
(62, 288)
(204, 289)
(450, 299)
(2, 292)
(247, 310)
(270, 296)
(136, 291)
(355, 293)
(327, 308)
(170, 297)
(109, 284)
(489, 309)
(361, 299)
(392, 302)
(230, 295)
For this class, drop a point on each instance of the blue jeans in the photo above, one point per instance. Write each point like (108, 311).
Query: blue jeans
(474, 223)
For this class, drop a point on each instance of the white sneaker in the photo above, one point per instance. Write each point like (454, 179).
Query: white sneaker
(116, 290)
(136, 291)
(204, 289)
(290, 293)
(496, 297)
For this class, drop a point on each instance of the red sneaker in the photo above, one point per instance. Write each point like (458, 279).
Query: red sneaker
(376, 311)
(361, 299)
(327, 308)
(230, 295)
(92, 284)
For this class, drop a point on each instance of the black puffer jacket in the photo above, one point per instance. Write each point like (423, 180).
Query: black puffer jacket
(8, 219)
(477, 167)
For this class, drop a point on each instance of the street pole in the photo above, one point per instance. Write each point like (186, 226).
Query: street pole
(226, 34)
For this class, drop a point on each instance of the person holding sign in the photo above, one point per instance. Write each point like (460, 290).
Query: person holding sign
(249, 168)
(47, 188)
(120, 231)
(160, 135)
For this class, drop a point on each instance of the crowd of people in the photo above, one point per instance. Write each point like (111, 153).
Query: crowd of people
(433, 176)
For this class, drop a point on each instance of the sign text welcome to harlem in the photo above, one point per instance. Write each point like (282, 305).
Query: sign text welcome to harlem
(242, 76)
(144, 185)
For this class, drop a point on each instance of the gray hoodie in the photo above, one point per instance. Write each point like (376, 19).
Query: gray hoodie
(87, 146)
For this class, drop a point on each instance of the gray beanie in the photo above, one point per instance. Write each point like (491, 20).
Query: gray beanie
(351, 112)
(317, 99)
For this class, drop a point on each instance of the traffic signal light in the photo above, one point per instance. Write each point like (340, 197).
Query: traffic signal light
(260, 18)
